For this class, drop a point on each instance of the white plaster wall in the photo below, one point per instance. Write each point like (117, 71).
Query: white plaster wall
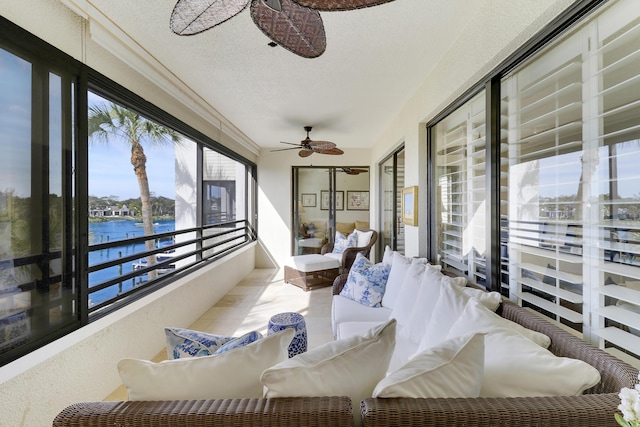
(474, 54)
(82, 365)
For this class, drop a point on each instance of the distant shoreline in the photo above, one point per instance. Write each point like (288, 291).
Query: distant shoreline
(127, 218)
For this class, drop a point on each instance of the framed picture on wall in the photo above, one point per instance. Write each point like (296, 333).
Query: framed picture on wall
(324, 200)
(309, 200)
(357, 200)
(410, 205)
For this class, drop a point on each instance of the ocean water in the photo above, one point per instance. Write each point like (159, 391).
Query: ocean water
(111, 231)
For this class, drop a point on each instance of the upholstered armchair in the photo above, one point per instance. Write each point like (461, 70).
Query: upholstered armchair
(349, 255)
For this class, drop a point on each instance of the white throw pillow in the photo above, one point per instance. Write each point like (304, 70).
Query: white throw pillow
(399, 267)
(448, 309)
(426, 300)
(233, 374)
(387, 257)
(407, 298)
(347, 367)
(452, 369)
(363, 238)
(516, 366)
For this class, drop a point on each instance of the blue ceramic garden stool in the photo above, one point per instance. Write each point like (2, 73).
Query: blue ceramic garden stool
(296, 321)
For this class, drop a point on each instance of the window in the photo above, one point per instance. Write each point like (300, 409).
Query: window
(461, 193)
(391, 185)
(568, 205)
(91, 222)
(38, 292)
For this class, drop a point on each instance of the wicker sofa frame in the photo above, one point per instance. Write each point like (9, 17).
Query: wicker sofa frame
(280, 412)
(596, 407)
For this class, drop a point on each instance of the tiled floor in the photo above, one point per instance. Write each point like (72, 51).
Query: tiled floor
(249, 305)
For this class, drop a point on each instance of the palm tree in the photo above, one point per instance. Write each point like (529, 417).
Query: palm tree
(107, 120)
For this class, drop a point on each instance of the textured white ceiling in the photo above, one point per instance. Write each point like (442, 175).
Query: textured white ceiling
(375, 60)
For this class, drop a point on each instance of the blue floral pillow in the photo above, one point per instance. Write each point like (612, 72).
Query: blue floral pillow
(247, 338)
(187, 343)
(341, 242)
(366, 282)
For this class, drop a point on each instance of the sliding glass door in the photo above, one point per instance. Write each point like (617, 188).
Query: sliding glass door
(326, 200)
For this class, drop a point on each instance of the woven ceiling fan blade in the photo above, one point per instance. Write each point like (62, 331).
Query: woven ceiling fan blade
(195, 16)
(294, 27)
(285, 149)
(290, 143)
(321, 145)
(333, 151)
(305, 152)
(337, 5)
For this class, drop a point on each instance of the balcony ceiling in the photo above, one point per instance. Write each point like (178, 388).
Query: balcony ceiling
(375, 59)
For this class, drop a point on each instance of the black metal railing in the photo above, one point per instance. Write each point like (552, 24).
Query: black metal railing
(174, 253)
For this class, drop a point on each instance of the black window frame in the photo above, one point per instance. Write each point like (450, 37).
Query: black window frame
(19, 42)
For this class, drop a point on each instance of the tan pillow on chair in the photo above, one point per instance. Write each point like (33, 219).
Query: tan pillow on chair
(361, 225)
(345, 228)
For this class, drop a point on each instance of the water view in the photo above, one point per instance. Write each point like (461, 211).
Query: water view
(111, 231)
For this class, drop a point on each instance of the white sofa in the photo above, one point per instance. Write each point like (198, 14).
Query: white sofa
(432, 308)
(349, 317)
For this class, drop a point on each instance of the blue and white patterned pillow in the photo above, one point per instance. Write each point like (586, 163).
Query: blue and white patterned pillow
(187, 343)
(247, 338)
(366, 282)
(341, 242)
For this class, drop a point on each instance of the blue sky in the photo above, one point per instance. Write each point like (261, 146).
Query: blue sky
(111, 172)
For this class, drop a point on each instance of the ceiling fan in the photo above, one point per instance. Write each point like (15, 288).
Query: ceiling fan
(295, 25)
(307, 147)
(354, 171)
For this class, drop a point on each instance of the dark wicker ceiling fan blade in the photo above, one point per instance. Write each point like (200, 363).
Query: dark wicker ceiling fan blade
(354, 171)
(305, 152)
(195, 16)
(294, 27)
(337, 5)
(333, 151)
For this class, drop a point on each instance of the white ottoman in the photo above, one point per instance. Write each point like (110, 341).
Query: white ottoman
(308, 271)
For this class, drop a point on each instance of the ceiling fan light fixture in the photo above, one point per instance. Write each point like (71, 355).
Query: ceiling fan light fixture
(195, 16)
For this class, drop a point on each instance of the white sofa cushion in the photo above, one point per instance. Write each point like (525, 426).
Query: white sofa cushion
(233, 374)
(451, 303)
(452, 369)
(516, 366)
(347, 367)
(406, 300)
(402, 352)
(346, 310)
(426, 300)
(399, 267)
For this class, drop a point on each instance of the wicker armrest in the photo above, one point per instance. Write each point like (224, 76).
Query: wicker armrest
(326, 248)
(288, 412)
(339, 282)
(595, 410)
(614, 372)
